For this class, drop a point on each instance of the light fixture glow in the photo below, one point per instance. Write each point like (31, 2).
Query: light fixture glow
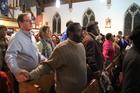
(102, 1)
(1, 22)
(57, 3)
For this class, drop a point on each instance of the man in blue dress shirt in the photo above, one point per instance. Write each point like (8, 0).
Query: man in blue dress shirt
(22, 54)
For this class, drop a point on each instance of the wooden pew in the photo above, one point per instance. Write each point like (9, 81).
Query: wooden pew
(42, 85)
(93, 87)
(112, 65)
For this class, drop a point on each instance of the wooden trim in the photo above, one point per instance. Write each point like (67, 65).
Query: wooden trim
(111, 65)
(10, 27)
(52, 3)
(8, 19)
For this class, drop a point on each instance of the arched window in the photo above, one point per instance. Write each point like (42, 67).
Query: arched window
(137, 19)
(128, 23)
(88, 17)
(132, 18)
(57, 23)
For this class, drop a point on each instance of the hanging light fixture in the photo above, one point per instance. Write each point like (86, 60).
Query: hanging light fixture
(57, 3)
(70, 5)
(108, 4)
(102, 1)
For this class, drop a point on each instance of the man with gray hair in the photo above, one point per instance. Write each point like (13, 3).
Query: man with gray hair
(22, 54)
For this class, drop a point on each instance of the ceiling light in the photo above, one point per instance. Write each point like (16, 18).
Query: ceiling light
(57, 3)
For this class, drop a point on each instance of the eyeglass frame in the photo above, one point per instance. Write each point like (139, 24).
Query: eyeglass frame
(28, 20)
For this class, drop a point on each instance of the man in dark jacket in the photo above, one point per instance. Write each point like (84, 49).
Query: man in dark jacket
(131, 65)
(94, 57)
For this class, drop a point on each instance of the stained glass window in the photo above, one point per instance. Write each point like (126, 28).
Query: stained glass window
(57, 23)
(88, 17)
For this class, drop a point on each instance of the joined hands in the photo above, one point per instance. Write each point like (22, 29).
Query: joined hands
(22, 75)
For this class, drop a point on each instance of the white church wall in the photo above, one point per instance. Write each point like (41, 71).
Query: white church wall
(115, 13)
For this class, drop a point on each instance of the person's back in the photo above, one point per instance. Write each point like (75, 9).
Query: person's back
(94, 57)
(108, 49)
(71, 77)
(131, 68)
(131, 65)
(68, 61)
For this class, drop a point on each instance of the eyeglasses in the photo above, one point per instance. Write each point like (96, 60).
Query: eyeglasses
(27, 20)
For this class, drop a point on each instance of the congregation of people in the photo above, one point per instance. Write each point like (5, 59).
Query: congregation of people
(76, 57)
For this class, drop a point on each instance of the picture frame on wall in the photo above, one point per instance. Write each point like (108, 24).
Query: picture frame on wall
(108, 23)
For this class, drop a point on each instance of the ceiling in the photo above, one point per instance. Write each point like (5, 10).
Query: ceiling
(51, 2)
(41, 4)
(46, 3)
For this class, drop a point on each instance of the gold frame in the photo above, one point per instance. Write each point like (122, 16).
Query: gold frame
(108, 23)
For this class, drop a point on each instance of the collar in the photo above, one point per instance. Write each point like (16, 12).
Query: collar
(28, 33)
(73, 42)
(92, 34)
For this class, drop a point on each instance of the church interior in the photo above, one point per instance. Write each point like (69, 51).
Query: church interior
(118, 17)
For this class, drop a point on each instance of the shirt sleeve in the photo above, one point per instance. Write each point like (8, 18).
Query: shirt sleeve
(53, 63)
(42, 58)
(14, 48)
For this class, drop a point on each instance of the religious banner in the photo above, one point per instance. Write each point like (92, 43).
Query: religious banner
(4, 7)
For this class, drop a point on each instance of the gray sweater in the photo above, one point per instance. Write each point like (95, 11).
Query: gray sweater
(68, 61)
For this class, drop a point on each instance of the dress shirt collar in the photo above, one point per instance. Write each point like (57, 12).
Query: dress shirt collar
(27, 33)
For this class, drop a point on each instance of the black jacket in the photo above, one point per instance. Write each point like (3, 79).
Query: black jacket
(131, 71)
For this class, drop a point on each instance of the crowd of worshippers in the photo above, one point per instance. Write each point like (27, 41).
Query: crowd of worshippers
(77, 56)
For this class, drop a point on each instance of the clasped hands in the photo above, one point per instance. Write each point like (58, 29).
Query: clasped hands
(22, 75)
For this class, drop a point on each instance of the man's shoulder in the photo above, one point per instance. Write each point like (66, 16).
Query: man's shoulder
(16, 36)
(88, 37)
(62, 44)
(88, 40)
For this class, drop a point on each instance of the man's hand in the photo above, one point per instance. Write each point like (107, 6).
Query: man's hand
(22, 75)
